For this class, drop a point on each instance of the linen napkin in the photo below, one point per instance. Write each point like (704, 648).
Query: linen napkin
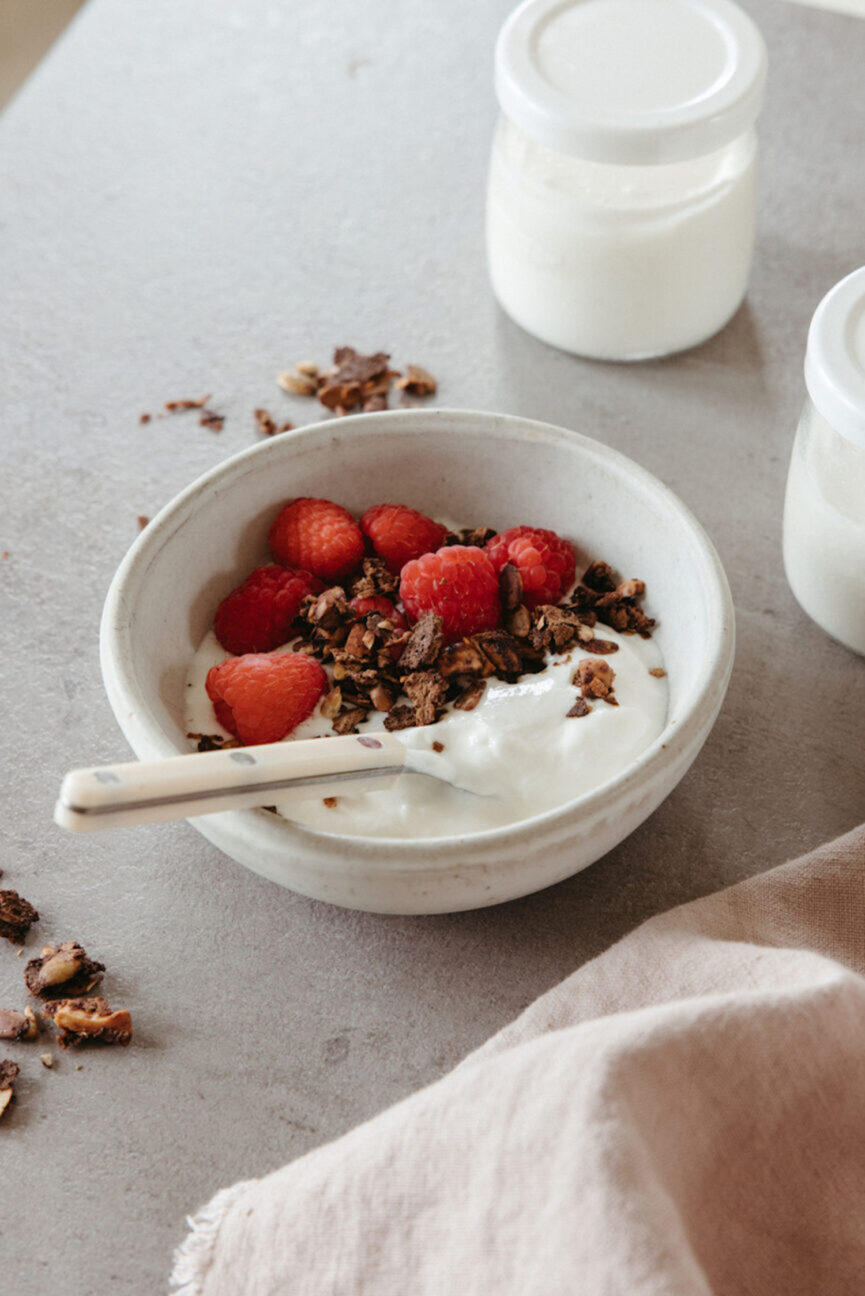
(685, 1114)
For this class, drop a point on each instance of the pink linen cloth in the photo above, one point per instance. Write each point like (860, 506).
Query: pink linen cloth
(684, 1115)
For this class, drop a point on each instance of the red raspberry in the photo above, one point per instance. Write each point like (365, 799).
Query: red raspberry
(261, 697)
(400, 534)
(547, 564)
(257, 616)
(383, 606)
(318, 536)
(457, 582)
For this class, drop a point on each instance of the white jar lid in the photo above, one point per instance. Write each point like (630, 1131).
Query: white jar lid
(835, 358)
(631, 81)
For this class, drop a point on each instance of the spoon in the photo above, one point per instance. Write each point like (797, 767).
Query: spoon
(180, 787)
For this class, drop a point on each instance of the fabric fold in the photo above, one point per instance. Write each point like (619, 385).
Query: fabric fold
(683, 1115)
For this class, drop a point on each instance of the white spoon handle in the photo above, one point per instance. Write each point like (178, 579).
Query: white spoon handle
(142, 792)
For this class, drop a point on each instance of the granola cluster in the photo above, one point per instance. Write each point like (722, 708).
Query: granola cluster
(359, 383)
(60, 978)
(412, 675)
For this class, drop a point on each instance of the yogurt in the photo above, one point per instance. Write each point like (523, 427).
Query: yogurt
(517, 754)
(621, 200)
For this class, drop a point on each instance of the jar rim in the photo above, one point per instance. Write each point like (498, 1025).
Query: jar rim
(835, 357)
(631, 82)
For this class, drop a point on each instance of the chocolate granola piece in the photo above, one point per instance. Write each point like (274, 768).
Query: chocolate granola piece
(353, 367)
(555, 627)
(519, 622)
(210, 419)
(426, 692)
(417, 381)
(354, 379)
(18, 1025)
(502, 652)
(8, 1075)
(400, 717)
(348, 721)
(580, 708)
(424, 644)
(510, 587)
(599, 578)
(601, 647)
(89, 1021)
(382, 696)
(178, 406)
(595, 679)
(300, 383)
(62, 970)
(464, 658)
(16, 916)
(376, 578)
(470, 696)
(471, 537)
(613, 604)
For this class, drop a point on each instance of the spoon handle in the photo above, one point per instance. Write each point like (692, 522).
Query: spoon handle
(143, 792)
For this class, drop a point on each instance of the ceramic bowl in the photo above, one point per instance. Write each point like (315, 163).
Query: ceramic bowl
(488, 468)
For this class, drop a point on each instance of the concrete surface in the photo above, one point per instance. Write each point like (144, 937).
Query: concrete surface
(193, 196)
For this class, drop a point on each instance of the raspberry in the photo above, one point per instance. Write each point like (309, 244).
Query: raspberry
(547, 564)
(318, 536)
(457, 582)
(261, 697)
(400, 534)
(383, 606)
(257, 616)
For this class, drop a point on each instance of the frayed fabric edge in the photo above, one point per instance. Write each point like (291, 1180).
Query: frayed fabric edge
(194, 1256)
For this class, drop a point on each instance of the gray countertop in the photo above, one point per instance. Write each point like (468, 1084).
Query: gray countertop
(193, 196)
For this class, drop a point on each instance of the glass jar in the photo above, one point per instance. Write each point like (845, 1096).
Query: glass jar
(824, 510)
(621, 200)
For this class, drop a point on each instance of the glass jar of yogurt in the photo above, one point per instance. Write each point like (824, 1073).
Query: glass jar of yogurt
(824, 512)
(621, 201)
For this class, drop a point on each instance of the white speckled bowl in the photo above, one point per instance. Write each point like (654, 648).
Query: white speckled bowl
(491, 469)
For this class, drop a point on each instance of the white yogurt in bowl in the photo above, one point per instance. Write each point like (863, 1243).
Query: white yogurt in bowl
(518, 751)
(460, 463)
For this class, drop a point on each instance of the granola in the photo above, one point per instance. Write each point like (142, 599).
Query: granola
(17, 916)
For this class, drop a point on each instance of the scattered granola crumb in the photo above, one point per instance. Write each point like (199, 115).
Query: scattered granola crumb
(47, 1060)
(16, 916)
(19, 953)
(356, 382)
(210, 419)
(417, 381)
(658, 672)
(5, 554)
(268, 426)
(438, 746)
(8, 1075)
(595, 679)
(144, 418)
(78, 1066)
(331, 802)
(142, 521)
(61, 970)
(86, 1021)
(17, 1025)
(178, 406)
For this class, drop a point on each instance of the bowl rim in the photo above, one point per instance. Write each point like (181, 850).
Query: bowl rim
(149, 740)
